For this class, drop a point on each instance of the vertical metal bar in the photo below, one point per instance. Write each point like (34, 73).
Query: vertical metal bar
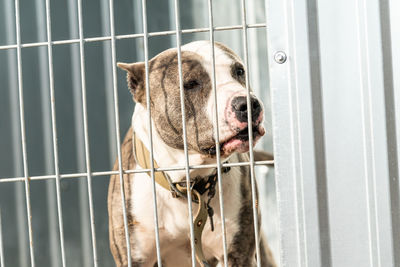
(54, 132)
(54, 252)
(17, 146)
(1, 244)
(254, 63)
(216, 133)
(108, 83)
(23, 135)
(80, 141)
(249, 121)
(146, 62)
(182, 96)
(172, 15)
(138, 22)
(21, 227)
(86, 134)
(117, 131)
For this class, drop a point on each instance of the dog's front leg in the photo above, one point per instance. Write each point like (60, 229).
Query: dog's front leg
(143, 249)
(143, 253)
(246, 255)
(241, 258)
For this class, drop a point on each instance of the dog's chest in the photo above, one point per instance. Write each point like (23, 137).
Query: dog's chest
(173, 213)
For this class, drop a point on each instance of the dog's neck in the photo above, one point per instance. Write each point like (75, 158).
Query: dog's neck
(164, 155)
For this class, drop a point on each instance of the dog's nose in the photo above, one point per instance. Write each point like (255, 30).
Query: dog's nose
(239, 106)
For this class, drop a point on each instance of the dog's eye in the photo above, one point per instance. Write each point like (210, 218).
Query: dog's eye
(239, 71)
(191, 84)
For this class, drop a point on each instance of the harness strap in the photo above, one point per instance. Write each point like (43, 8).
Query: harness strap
(142, 156)
(198, 225)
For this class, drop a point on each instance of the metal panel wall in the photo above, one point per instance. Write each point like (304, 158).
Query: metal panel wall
(334, 103)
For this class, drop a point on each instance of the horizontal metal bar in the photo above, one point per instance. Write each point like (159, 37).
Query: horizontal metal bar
(132, 36)
(103, 173)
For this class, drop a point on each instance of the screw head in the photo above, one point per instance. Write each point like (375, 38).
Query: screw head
(280, 57)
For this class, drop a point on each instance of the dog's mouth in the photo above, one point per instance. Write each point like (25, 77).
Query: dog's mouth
(238, 142)
(243, 135)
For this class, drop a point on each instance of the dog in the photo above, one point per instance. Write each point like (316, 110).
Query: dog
(168, 147)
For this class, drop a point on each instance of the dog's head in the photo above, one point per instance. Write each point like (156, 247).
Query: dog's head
(199, 98)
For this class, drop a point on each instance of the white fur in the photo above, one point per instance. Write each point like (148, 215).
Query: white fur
(170, 209)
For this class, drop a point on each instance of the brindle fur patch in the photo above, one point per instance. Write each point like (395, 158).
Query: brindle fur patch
(166, 108)
(165, 100)
(115, 215)
(243, 243)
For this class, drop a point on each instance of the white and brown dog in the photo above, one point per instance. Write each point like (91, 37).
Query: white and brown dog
(168, 147)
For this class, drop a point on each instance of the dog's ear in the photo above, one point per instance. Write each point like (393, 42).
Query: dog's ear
(135, 78)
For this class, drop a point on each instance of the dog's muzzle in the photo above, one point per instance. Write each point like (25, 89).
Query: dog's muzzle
(239, 107)
(236, 116)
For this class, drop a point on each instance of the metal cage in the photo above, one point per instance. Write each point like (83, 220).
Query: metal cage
(63, 244)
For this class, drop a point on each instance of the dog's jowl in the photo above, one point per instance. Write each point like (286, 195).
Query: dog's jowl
(168, 147)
